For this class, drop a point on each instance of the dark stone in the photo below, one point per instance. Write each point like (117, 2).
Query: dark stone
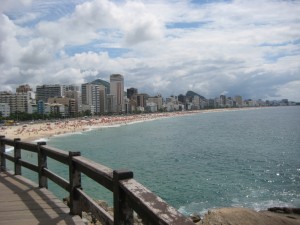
(195, 218)
(286, 210)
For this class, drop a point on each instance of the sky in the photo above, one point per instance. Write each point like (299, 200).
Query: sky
(212, 47)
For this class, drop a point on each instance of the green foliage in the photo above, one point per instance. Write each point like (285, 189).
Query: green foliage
(87, 113)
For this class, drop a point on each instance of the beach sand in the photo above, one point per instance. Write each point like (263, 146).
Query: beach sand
(32, 132)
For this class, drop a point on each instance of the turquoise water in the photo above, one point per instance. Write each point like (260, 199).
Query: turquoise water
(248, 158)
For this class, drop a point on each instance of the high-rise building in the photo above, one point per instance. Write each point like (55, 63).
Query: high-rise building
(141, 99)
(222, 100)
(131, 91)
(86, 94)
(77, 96)
(4, 109)
(239, 100)
(43, 92)
(72, 87)
(23, 88)
(117, 90)
(18, 102)
(90, 96)
(102, 99)
(69, 104)
(158, 100)
(182, 98)
(109, 103)
(196, 102)
(94, 95)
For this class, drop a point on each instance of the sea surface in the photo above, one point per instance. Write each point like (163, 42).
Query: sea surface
(243, 158)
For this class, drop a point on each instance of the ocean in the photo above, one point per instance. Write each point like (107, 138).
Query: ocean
(240, 158)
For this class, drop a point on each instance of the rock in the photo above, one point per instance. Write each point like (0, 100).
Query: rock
(195, 218)
(286, 210)
(66, 201)
(85, 221)
(103, 204)
(243, 216)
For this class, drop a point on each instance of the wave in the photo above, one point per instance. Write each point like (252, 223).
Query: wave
(109, 126)
(69, 134)
(41, 140)
(9, 149)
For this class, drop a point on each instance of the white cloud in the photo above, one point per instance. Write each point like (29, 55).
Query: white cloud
(64, 76)
(243, 47)
(290, 90)
(39, 51)
(9, 45)
(28, 17)
(7, 5)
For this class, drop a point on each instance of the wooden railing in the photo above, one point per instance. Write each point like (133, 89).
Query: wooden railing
(128, 195)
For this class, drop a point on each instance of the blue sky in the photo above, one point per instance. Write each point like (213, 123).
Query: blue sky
(248, 48)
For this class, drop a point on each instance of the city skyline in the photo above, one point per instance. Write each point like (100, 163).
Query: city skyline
(92, 87)
(247, 48)
(95, 99)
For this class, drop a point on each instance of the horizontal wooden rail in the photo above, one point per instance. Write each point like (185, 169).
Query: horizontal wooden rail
(28, 165)
(28, 146)
(56, 154)
(8, 157)
(129, 195)
(98, 212)
(139, 195)
(57, 179)
(8, 141)
(99, 173)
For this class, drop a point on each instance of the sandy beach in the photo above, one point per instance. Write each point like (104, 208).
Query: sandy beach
(33, 131)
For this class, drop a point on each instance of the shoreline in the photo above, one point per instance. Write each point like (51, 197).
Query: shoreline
(34, 132)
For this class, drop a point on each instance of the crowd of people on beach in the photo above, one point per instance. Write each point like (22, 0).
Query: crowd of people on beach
(34, 130)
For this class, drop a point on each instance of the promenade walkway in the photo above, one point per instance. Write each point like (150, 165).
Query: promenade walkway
(22, 202)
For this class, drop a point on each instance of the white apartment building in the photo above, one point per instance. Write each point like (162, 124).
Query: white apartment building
(18, 102)
(151, 106)
(158, 100)
(5, 109)
(94, 95)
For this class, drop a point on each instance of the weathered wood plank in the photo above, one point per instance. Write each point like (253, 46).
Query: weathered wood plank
(45, 221)
(99, 173)
(32, 194)
(154, 210)
(57, 154)
(90, 205)
(32, 205)
(57, 179)
(31, 147)
(22, 202)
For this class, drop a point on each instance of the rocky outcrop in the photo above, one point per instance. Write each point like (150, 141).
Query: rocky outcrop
(244, 216)
(223, 216)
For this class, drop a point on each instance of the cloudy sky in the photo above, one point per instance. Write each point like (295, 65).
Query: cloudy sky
(213, 47)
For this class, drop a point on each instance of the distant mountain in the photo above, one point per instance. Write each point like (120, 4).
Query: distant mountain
(191, 94)
(102, 82)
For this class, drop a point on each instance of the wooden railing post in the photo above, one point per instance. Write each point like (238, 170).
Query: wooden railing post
(123, 213)
(17, 155)
(2, 151)
(42, 163)
(75, 182)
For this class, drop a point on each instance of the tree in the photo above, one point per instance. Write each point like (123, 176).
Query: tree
(87, 113)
